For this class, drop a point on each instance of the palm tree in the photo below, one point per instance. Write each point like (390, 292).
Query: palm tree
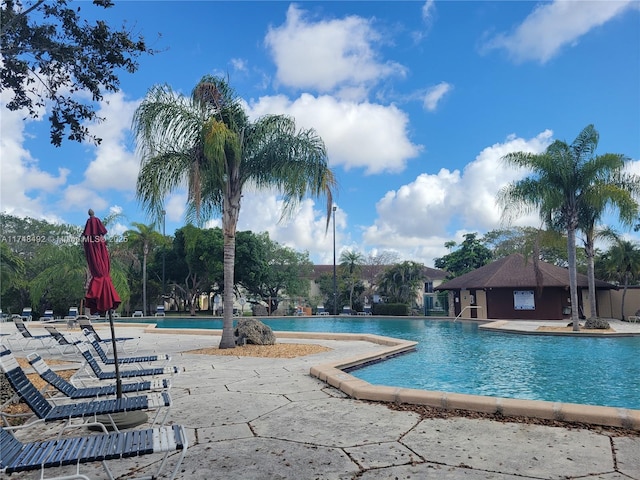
(622, 263)
(565, 183)
(12, 269)
(351, 263)
(143, 239)
(208, 142)
(619, 194)
(400, 282)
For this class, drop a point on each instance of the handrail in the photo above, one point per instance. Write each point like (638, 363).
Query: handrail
(462, 311)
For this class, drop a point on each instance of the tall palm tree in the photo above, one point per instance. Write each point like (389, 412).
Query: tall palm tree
(622, 263)
(208, 142)
(564, 184)
(351, 263)
(143, 239)
(612, 189)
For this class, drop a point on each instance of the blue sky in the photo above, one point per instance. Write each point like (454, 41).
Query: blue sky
(416, 102)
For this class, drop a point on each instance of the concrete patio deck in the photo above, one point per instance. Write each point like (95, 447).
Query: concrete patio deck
(267, 418)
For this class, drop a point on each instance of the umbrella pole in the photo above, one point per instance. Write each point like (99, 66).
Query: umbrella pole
(120, 420)
(115, 356)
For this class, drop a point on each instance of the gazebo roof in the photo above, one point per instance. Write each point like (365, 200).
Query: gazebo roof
(515, 271)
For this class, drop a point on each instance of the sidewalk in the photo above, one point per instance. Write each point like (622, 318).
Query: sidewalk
(264, 418)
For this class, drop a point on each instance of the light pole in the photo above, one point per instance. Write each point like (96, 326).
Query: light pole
(335, 285)
(164, 250)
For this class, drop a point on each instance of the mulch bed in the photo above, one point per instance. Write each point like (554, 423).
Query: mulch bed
(426, 411)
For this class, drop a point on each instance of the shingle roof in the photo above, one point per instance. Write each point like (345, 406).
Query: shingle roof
(516, 271)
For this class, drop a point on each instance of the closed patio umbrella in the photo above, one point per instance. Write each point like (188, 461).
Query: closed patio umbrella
(101, 296)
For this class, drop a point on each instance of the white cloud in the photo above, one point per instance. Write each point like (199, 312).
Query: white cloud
(25, 188)
(346, 128)
(552, 26)
(239, 64)
(441, 202)
(115, 167)
(632, 167)
(435, 94)
(427, 10)
(175, 206)
(328, 55)
(79, 198)
(304, 230)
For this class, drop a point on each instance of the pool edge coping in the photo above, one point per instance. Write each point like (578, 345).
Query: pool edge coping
(333, 374)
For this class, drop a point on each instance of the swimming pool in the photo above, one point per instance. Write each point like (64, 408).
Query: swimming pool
(459, 357)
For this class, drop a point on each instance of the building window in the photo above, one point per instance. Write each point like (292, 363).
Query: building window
(428, 287)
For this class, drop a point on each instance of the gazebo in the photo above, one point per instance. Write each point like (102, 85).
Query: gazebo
(510, 288)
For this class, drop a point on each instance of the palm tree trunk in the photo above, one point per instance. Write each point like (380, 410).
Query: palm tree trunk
(573, 277)
(591, 276)
(624, 293)
(230, 213)
(144, 282)
(351, 295)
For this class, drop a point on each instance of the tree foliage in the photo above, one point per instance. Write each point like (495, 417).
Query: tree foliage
(620, 264)
(351, 265)
(471, 254)
(400, 282)
(267, 270)
(550, 246)
(209, 142)
(569, 187)
(50, 54)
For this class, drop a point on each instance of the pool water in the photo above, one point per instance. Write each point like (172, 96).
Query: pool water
(459, 357)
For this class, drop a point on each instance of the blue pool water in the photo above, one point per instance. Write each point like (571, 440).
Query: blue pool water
(459, 357)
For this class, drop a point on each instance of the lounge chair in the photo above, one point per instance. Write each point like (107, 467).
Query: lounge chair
(321, 311)
(26, 314)
(26, 337)
(91, 338)
(48, 316)
(367, 309)
(85, 324)
(64, 345)
(346, 311)
(137, 313)
(72, 317)
(40, 455)
(97, 372)
(71, 391)
(46, 411)
(160, 311)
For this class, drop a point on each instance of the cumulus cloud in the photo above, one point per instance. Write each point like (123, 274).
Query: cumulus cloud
(435, 94)
(78, 197)
(304, 230)
(115, 165)
(346, 128)
(328, 55)
(552, 26)
(449, 200)
(24, 187)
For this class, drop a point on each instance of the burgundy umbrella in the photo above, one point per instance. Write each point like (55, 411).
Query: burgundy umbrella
(101, 295)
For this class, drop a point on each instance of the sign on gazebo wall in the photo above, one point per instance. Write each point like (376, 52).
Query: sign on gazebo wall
(524, 300)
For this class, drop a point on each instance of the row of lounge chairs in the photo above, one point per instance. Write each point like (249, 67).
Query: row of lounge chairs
(60, 405)
(73, 314)
(27, 338)
(320, 310)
